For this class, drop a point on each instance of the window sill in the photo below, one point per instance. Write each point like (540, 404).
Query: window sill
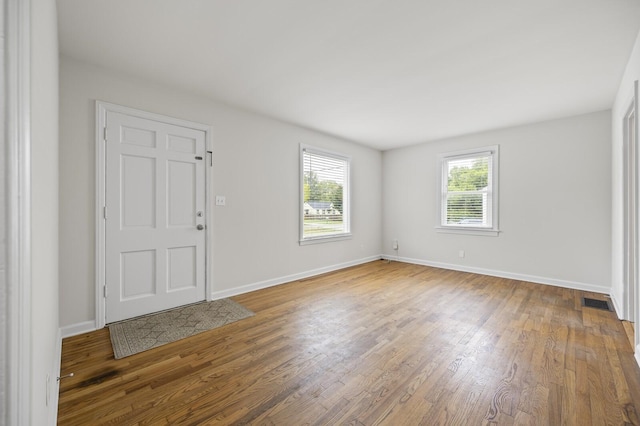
(468, 231)
(327, 239)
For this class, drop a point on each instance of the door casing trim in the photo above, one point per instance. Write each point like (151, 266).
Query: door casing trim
(102, 108)
(17, 370)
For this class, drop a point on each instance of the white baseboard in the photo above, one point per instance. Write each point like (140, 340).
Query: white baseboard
(87, 326)
(502, 274)
(617, 307)
(75, 329)
(288, 278)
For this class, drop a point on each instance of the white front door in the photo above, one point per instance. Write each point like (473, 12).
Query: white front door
(155, 216)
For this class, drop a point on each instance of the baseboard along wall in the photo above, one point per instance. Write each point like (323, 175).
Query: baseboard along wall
(288, 278)
(87, 326)
(574, 285)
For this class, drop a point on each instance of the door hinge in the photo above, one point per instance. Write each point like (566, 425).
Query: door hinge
(105, 134)
(210, 158)
(105, 291)
(104, 212)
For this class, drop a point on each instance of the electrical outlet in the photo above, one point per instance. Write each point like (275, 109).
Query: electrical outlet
(461, 254)
(395, 244)
(221, 200)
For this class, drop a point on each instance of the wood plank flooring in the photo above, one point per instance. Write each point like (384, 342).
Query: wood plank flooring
(629, 328)
(380, 343)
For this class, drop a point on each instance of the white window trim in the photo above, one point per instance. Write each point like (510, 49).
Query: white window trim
(494, 230)
(346, 202)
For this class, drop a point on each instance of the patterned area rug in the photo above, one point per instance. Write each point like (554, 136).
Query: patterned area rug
(150, 331)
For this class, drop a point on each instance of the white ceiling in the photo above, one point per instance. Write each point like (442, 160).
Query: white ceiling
(384, 73)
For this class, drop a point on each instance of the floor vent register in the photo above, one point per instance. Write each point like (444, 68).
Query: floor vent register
(596, 303)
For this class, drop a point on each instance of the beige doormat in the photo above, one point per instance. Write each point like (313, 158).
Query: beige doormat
(136, 335)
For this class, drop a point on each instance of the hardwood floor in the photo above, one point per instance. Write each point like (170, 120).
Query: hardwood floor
(393, 344)
(629, 328)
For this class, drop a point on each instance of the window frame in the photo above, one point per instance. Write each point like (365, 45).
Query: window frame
(346, 197)
(493, 152)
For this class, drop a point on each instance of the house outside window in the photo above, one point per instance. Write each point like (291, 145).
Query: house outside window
(324, 193)
(468, 191)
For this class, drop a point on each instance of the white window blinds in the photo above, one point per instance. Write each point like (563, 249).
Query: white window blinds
(325, 195)
(469, 190)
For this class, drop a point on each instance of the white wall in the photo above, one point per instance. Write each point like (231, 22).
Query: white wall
(44, 211)
(255, 167)
(555, 186)
(621, 105)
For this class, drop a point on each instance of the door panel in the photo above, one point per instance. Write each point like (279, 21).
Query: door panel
(181, 189)
(135, 136)
(155, 198)
(138, 273)
(181, 144)
(182, 265)
(138, 189)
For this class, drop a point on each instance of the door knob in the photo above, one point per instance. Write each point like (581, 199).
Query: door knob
(200, 227)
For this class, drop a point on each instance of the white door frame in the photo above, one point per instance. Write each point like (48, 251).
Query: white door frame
(101, 115)
(630, 249)
(635, 294)
(631, 222)
(17, 169)
(16, 373)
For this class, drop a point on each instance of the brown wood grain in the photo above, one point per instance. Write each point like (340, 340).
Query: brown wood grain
(380, 343)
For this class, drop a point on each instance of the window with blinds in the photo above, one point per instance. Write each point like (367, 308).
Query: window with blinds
(468, 190)
(324, 195)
